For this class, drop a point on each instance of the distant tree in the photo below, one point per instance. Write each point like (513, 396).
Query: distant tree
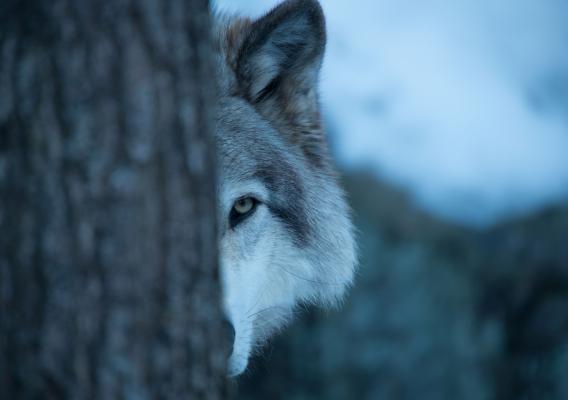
(108, 258)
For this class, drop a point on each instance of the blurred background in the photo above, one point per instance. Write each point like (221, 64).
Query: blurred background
(449, 121)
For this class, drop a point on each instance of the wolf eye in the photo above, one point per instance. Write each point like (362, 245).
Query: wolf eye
(244, 205)
(242, 209)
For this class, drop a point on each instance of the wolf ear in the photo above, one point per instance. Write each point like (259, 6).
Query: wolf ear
(278, 63)
(286, 44)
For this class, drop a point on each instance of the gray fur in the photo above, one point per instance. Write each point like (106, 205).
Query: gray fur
(270, 136)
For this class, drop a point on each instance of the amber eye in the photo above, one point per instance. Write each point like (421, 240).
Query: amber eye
(242, 209)
(244, 205)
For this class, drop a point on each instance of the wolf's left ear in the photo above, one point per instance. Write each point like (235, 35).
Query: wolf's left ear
(278, 63)
(285, 47)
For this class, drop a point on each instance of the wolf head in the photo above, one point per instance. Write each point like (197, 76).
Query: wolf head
(285, 233)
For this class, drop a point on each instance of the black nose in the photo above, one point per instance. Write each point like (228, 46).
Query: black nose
(230, 334)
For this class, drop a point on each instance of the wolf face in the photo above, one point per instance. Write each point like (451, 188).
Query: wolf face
(285, 233)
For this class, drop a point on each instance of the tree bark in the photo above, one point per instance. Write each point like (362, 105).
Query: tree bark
(108, 257)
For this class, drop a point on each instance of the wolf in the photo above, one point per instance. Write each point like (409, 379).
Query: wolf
(286, 236)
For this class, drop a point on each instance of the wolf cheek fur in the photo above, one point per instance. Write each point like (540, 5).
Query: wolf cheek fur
(285, 232)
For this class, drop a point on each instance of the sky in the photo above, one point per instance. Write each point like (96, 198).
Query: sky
(463, 104)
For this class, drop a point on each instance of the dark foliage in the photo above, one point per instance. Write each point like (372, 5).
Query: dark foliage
(438, 312)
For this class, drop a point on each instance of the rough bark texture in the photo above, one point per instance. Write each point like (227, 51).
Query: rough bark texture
(108, 258)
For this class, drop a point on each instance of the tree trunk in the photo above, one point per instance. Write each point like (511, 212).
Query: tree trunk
(108, 257)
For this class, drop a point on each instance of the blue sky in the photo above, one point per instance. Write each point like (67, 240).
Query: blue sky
(464, 104)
